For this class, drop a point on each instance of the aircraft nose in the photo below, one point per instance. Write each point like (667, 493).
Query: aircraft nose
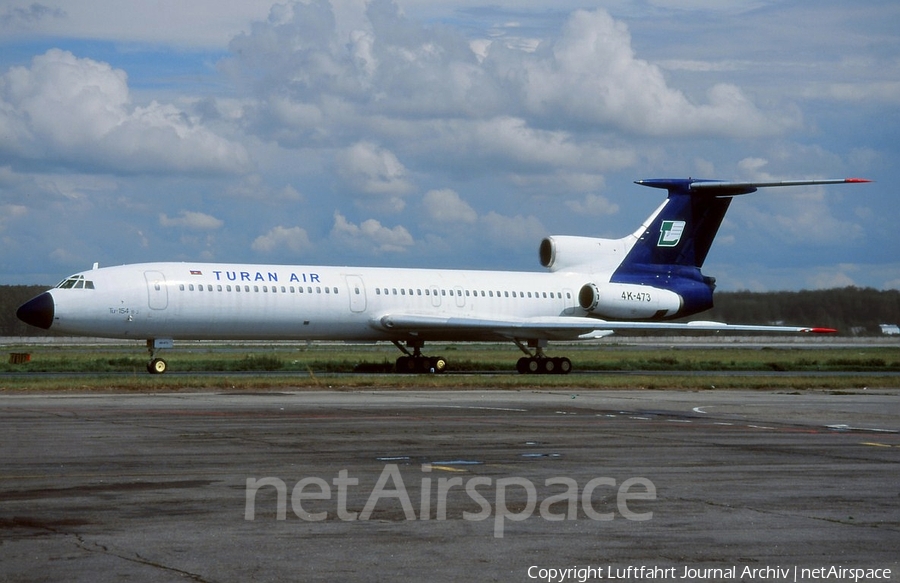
(38, 311)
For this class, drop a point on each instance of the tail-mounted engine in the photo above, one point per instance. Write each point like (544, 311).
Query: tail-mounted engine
(565, 252)
(632, 302)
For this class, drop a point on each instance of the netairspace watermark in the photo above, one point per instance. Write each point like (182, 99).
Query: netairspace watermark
(481, 490)
(731, 573)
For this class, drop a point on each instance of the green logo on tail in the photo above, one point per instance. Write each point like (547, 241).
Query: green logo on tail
(670, 233)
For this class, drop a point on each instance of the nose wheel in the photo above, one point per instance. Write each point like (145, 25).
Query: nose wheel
(157, 366)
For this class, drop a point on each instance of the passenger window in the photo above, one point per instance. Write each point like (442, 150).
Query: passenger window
(181, 287)
(318, 290)
(309, 289)
(335, 290)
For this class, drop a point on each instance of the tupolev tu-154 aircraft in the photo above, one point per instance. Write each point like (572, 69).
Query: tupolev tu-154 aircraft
(592, 287)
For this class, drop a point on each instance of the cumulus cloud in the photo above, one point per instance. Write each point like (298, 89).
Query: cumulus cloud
(191, 220)
(591, 74)
(512, 232)
(370, 235)
(445, 207)
(293, 239)
(316, 79)
(593, 204)
(375, 173)
(78, 112)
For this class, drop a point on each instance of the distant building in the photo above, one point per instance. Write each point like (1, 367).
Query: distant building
(890, 329)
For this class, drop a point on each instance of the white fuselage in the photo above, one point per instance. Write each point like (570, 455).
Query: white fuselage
(226, 301)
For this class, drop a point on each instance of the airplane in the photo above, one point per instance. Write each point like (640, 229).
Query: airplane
(591, 288)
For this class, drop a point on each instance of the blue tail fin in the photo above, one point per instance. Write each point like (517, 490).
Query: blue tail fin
(670, 248)
(683, 231)
(675, 242)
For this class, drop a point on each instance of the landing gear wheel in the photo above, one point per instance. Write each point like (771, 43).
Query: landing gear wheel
(438, 364)
(522, 365)
(421, 364)
(157, 366)
(543, 365)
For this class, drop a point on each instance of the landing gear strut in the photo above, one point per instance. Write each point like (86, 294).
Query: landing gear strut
(157, 365)
(415, 363)
(538, 363)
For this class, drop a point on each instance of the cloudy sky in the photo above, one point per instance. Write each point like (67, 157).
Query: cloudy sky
(441, 133)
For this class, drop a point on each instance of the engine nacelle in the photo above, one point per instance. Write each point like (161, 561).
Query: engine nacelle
(631, 302)
(565, 252)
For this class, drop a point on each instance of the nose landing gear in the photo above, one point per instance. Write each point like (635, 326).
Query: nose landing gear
(158, 365)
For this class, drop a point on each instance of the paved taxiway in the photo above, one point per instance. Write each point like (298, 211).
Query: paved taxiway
(154, 487)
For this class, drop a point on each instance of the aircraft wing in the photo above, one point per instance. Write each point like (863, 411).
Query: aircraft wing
(554, 328)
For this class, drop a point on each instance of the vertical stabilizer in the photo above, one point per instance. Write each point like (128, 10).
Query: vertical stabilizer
(682, 231)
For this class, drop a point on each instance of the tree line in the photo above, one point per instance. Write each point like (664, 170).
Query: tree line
(852, 310)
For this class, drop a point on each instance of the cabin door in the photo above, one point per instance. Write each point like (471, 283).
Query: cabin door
(357, 290)
(157, 293)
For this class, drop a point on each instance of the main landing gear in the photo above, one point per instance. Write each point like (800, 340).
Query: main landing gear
(414, 362)
(538, 362)
(535, 363)
(157, 365)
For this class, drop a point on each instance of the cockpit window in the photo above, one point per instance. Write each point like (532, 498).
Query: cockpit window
(76, 282)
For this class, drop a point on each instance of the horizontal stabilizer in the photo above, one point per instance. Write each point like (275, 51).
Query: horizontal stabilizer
(722, 188)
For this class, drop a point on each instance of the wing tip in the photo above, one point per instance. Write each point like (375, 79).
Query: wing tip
(821, 330)
(856, 180)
